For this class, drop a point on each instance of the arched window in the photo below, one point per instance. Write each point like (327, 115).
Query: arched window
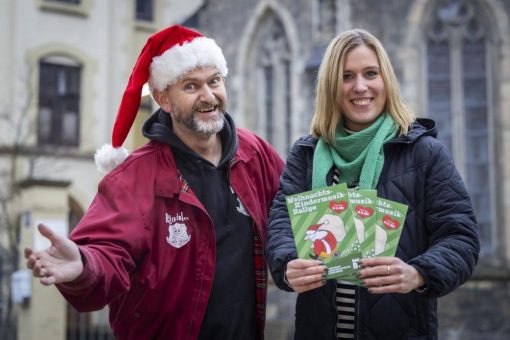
(58, 122)
(269, 95)
(458, 92)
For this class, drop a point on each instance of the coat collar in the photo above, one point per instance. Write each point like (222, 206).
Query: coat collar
(169, 181)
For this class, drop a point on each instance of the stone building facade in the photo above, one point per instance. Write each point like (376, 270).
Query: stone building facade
(64, 65)
(452, 58)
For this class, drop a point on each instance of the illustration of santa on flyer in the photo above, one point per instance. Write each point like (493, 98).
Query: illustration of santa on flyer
(325, 235)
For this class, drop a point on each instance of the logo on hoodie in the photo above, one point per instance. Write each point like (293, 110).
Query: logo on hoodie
(177, 231)
(240, 206)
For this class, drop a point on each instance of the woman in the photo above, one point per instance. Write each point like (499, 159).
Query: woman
(362, 133)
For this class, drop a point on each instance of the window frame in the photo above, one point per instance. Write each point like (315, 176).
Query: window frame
(152, 12)
(458, 136)
(57, 103)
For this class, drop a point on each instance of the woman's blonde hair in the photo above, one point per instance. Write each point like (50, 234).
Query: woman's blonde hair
(327, 114)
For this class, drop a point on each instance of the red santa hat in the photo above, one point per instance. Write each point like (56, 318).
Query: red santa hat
(166, 56)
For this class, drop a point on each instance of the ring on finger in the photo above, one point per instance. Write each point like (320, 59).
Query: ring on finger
(387, 270)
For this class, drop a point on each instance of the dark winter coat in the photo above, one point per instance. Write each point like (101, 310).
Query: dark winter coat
(440, 239)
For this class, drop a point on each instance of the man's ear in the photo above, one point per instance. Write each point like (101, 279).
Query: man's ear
(161, 97)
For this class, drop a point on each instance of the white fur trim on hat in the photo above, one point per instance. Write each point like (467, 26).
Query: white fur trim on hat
(176, 61)
(107, 157)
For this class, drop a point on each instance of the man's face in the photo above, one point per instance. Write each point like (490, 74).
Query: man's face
(197, 102)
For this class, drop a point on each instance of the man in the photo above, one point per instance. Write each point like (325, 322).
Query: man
(173, 241)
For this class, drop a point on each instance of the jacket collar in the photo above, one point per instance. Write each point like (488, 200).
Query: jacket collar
(159, 128)
(245, 151)
(169, 181)
(421, 127)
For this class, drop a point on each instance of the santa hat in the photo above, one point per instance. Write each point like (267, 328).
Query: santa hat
(313, 228)
(166, 56)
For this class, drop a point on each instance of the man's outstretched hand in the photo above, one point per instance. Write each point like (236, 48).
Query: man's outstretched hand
(59, 263)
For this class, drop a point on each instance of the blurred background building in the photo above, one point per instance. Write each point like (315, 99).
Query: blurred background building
(65, 64)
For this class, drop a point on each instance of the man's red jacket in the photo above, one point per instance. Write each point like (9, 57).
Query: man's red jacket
(148, 244)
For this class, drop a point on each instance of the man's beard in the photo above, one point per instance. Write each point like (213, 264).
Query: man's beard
(199, 126)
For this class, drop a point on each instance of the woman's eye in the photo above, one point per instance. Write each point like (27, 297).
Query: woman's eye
(347, 76)
(371, 74)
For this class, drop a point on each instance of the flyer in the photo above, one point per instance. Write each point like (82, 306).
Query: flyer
(363, 204)
(323, 226)
(390, 218)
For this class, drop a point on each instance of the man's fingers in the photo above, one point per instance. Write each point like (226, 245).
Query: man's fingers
(46, 232)
(28, 251)
(30, 257)
(48, 280)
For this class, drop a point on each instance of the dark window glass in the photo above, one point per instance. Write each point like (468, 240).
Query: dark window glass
(438, 54)
(268, 101)
(477, 134)
(327, 17)
(59, 104)
(144, 10)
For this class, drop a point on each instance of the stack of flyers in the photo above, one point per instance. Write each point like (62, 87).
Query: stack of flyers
(339, 227)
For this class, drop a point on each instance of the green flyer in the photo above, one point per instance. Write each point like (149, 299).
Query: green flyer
(323, 226)
(390, 218)
(363, 205)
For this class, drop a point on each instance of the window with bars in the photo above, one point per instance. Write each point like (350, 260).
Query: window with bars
(59, 104)
(457, 74)
(145, 10)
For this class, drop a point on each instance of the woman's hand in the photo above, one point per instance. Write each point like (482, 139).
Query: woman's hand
(305, 275)
(383, 275)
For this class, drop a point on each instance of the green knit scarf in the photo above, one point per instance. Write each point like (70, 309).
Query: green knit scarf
(357, 156)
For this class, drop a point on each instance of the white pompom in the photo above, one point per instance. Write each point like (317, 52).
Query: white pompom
(107, 157)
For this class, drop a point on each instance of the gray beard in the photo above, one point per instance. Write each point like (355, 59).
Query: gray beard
(203, 128)
(208, 128)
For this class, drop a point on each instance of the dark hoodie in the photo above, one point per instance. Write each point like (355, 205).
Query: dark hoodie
(230, 310)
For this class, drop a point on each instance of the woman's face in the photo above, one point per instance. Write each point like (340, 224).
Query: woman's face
(363, 92)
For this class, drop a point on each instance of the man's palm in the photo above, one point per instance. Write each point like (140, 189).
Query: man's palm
(59, 263)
